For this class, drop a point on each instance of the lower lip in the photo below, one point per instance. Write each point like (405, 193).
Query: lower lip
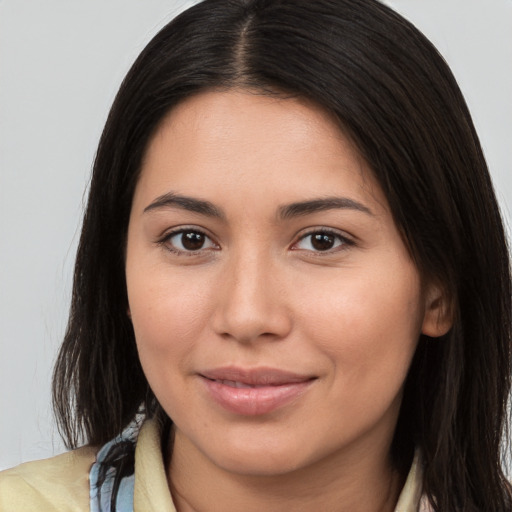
(255, 401)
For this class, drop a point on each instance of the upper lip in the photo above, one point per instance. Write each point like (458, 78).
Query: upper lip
(261, 376)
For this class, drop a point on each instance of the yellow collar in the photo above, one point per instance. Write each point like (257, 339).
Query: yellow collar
(152, 492)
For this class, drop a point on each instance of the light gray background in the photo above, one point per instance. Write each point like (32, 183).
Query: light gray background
(61, 62)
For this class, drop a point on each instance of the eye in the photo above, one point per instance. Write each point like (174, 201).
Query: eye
(322, 241)
(188, 240)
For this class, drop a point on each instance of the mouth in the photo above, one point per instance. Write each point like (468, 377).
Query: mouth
(241, 385)
(252, 392)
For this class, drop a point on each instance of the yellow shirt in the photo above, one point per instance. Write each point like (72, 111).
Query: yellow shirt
(61, 483)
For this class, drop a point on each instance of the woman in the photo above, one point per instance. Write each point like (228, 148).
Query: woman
(293, 274)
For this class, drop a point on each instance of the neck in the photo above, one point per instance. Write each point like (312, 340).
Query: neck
(349, 482)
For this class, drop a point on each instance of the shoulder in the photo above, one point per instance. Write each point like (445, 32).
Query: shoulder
(57, 484)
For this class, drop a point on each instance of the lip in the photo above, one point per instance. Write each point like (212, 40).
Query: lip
(253, 392)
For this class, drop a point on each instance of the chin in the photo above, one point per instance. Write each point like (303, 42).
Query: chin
(260, 463)
(265, 454)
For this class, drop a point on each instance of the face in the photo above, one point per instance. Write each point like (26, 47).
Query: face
(275, 307)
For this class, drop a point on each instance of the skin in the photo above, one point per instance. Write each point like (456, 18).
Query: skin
(259, 293)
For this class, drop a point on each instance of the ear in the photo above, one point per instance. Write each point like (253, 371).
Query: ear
(438, 318)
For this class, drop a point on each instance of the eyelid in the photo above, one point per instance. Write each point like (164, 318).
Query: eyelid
(164, 239)
(346, 240)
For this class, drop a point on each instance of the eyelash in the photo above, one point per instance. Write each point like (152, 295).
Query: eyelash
(164, 241)
(344, 242)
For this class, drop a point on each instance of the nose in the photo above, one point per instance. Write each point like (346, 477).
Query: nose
(252, 301)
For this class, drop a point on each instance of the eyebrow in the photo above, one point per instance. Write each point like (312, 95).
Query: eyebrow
(319, 205)
(172, 200)
(298, 209)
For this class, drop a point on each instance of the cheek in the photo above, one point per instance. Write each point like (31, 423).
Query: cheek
(368, 329)
(168, 314)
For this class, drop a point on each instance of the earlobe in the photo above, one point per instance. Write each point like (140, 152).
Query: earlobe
(438, 318)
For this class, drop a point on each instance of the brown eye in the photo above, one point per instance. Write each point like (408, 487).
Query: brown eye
(192, 240)
(189, 241)
(322, 241)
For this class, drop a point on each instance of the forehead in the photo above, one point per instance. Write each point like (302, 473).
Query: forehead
(241, 117)
(243, 143)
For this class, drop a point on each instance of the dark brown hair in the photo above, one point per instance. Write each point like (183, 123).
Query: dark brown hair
(396, 98)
